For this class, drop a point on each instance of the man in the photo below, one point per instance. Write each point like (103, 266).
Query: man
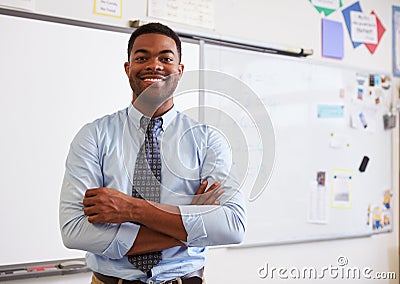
(150, 224)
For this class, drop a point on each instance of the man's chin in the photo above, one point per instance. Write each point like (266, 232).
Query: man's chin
(152, 97)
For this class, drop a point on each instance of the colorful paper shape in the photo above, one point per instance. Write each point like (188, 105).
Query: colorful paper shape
(325, 7)
(346, 14)
(330, 111)
(381, 30)
(332, 39)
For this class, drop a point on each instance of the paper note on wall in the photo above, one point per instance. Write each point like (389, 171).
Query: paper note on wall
(332, 39)
(19, 4)
(363, 27)
(194, 13)
(341, 188)
(111, 8)
(330, 111)
(318, 200)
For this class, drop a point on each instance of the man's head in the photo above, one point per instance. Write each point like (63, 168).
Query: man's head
(154, 67)
(155, 28)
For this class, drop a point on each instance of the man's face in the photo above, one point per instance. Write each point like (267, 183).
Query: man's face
(154, 66)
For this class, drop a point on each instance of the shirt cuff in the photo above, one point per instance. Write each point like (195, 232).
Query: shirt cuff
(123, 241)
(194, 224)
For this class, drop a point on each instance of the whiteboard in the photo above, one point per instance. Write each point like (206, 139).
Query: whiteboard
(54, 78)
(293, 207)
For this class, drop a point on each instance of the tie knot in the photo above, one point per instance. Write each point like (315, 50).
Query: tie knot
(151, 125)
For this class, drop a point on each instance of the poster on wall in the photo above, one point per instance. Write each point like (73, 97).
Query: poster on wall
(19, 4)
(109, 8)
(396, 41)
(194, 13)
(364, 28)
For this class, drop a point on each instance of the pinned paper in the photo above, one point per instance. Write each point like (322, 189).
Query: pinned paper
(338, 141)
(381, 218)
(365, 119)
(330, 111)
(380, 215)
(332, 39)
(326, 6)
(363, 27)
(111, 8)
(29, 5)
(342, 181)
(318, 209)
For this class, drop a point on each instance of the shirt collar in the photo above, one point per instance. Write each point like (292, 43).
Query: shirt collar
(135, 115)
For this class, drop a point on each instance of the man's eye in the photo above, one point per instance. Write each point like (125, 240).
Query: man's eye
(140, 58)
(167, 59)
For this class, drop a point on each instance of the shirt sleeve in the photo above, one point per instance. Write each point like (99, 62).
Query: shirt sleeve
(209, 225)
(83, 171)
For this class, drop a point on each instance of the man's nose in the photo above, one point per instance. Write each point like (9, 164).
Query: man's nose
(154, 64)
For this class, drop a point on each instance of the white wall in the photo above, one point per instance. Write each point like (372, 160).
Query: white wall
(291, 23)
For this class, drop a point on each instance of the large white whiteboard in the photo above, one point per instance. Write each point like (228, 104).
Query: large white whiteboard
(54, 78)
(291, 90)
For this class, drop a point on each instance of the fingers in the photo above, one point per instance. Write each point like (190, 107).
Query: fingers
(217, 195)
(208, 196)
(213, 197)
(202, 188)
(89, 211)
(95, 191)
(214, 186)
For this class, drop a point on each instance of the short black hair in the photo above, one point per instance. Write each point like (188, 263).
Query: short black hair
(155, 28)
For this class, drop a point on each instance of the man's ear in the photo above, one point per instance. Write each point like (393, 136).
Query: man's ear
(126, 67)
(180, 69)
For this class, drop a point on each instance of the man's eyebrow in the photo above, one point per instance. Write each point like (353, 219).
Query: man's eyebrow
(141, 51)
(161, 52)
(167, 51)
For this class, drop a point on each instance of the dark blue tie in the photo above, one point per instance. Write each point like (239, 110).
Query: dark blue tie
(146, 181)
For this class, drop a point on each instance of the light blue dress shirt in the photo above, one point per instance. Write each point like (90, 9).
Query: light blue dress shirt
(103, 154)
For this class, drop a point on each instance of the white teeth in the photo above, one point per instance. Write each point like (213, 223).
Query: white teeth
(152, 80)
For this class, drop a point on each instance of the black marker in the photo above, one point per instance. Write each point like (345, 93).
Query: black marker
(364, 163)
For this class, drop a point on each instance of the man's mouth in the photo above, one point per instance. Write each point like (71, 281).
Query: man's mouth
(151, 79)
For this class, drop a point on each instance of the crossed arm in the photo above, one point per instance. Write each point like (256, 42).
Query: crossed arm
(161, 224)
(104, 221)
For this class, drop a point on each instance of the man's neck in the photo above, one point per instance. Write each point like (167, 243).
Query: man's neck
(151, 110)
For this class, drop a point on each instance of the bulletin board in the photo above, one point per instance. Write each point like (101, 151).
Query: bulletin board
(55, 78)
(325, 119)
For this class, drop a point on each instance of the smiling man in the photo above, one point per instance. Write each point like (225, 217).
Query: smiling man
(136, 192)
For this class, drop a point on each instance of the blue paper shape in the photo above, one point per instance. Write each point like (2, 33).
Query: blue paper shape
(330, 111)
(346, 14)
(332, 39)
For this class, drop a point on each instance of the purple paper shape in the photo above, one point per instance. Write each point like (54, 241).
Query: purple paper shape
(346, 14)
(332, 39)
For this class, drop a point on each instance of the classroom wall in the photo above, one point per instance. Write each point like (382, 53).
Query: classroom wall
(290, 23)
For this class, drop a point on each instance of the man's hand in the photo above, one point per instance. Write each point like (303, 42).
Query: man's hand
(208, 196)
(107, 205)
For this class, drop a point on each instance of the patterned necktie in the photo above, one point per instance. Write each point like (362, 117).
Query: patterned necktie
(146, 181)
